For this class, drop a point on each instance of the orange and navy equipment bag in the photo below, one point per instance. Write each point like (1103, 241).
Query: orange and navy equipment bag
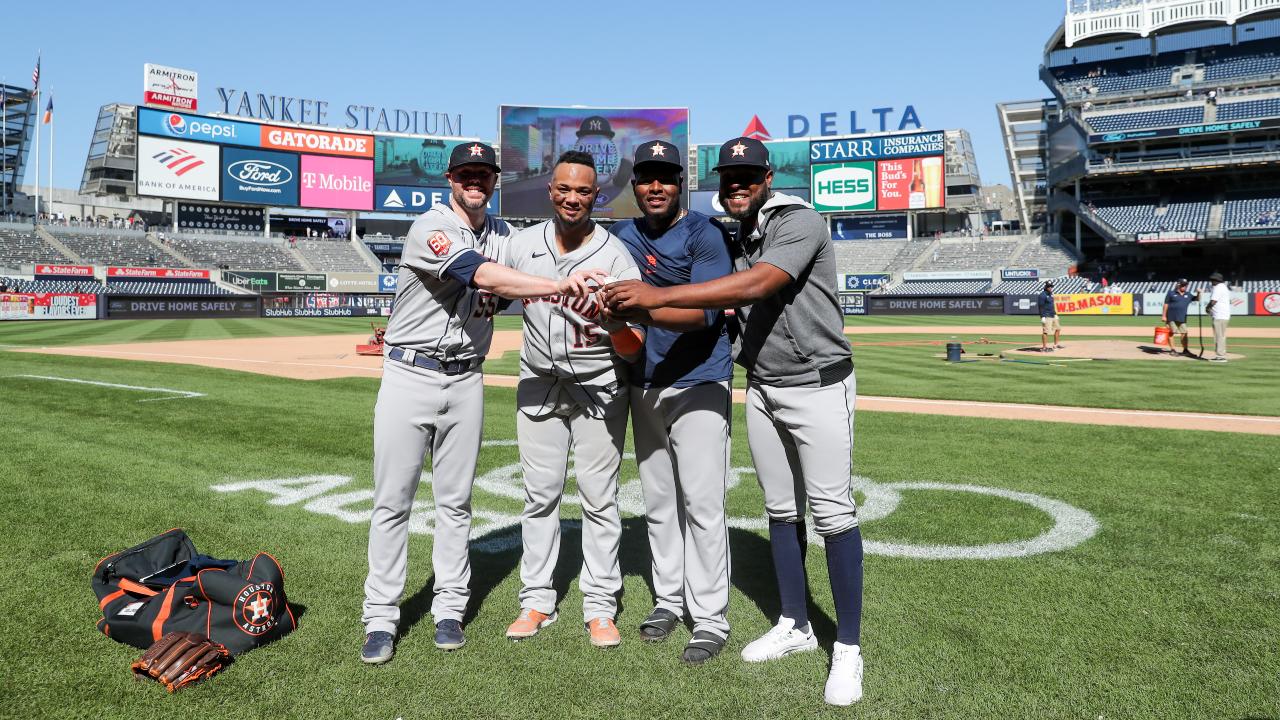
(163, 585)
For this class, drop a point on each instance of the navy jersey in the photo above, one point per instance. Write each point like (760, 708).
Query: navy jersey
(693, 250)
(1045, 304)
(1178, 304)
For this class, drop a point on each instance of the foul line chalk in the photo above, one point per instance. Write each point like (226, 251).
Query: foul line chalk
(174, 394)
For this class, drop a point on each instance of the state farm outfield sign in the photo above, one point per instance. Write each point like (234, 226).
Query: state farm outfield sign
(160, 273)
(169, 87)
(65, 270)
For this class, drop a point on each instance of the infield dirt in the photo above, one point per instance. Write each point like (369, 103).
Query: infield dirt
(321, 357)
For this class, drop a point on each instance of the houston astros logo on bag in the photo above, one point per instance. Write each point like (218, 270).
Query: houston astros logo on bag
(253, 608)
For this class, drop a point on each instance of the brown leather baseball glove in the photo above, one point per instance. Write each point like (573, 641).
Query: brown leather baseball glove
(180, 658)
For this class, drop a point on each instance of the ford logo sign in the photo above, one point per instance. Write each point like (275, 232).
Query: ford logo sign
(260, 172)
(1113, 137)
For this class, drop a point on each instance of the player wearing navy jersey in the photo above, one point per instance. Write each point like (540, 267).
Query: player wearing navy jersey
(680, 400)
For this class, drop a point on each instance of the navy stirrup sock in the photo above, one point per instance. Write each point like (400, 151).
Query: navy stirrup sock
(787, 541)
(844, 565)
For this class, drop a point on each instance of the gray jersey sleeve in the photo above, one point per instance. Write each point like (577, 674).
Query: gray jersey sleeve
(432, 245)
(434, 313)
(796, 238)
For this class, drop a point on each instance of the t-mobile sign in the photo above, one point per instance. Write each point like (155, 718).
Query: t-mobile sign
(336, 183)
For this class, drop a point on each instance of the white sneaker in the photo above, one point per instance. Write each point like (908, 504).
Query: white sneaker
(782, 640)
(844, 684)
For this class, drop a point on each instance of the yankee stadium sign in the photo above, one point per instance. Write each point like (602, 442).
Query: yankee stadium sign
(306, 111)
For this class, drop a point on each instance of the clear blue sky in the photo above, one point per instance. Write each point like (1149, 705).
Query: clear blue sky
(951, 60)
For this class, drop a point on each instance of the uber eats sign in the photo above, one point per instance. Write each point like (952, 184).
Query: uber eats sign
(844, 187)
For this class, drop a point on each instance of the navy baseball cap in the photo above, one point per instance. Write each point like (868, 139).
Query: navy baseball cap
(743, 152)
(596, 125)
(657, 152)
(474, 153)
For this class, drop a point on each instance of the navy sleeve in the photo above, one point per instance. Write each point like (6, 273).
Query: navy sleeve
(709, 250)
(463, 268)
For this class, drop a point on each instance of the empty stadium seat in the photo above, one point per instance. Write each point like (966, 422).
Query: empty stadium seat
(235, 253)
(19, 245)
(1146, 119)
(114, 247)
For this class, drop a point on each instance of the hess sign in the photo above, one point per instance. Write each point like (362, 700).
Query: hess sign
(844, 187)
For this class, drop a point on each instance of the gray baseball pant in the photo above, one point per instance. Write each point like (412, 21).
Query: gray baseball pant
(802, 443)
(421, 411)
(544, 457)
(682, 449)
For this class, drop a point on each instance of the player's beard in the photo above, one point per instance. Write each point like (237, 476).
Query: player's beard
(757, 201)
(661, 220)
(466, 204)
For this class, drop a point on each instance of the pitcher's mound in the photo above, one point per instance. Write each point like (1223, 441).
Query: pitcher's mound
(1113, 350)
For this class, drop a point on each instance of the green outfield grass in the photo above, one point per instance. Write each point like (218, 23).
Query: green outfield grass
(1168, 611)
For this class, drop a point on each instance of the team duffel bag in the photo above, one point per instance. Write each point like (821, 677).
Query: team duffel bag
(164, 585)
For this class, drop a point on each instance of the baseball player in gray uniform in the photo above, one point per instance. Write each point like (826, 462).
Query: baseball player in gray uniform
(680, 400)
(800, 397)
(432, 393)
(571, 394)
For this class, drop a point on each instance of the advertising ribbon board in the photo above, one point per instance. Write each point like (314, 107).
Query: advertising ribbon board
(301, 282)
(150, 273)
(1094, 304)
(48, 306)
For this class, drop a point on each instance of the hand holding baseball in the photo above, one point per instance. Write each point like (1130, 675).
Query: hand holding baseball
(632, 295)
(581, 283)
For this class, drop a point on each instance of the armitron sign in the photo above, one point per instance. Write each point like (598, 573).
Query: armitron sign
(169, 87)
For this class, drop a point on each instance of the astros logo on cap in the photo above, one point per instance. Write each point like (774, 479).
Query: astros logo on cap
(476, 151)
(739, 150)
(659, 151)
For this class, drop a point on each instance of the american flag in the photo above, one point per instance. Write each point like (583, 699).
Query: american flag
(35, 76)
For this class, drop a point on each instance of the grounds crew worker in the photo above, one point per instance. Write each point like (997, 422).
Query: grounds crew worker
(1219, 309)
(432, 393)
(1049, 322)
(800, 397)
(1174, 315)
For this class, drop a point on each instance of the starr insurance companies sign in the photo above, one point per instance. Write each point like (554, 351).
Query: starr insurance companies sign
(169, 87)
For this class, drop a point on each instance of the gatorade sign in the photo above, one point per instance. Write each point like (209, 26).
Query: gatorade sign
(844, 187)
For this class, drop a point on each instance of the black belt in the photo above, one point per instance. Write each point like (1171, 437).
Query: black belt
(831, 374)
(451, 367)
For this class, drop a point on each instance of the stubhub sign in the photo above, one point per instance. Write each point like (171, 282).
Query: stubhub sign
(408, 199)
(195, 127)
